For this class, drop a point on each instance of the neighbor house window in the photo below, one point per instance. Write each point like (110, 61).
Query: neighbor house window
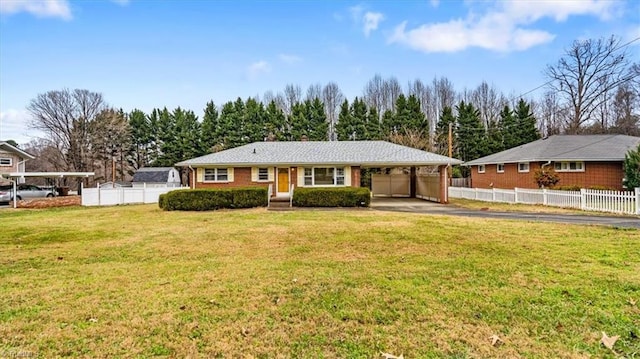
(263, 174)
(500, 167)
(481, 169)
(215, 175)
(523, 167)
(6, 161)
(569, 166)
(324, 176)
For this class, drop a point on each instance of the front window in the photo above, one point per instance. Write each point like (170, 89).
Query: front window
(6, 161)
(500, 167)
(324, 176)
(523, 167)
(481, 169)
(263, 174)
(569, 166)
(215, 175)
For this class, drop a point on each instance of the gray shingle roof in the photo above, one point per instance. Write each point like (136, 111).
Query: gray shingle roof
(361, 153)
(152, 174)
(566, 148)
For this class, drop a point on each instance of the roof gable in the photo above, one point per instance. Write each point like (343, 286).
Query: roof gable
(9, 148)
(566, 148)
(153, 175)
(364, 153)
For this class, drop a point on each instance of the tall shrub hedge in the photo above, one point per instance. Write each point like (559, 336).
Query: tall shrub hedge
(212, 199)
(332, 197)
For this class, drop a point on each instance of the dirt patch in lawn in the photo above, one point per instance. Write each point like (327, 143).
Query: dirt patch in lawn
(64, 201)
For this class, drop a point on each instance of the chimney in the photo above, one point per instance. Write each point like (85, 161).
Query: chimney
(304, 138)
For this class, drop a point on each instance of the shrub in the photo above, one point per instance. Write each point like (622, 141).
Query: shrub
(332, 197)
(162, 201)
(546, 177)
(212, 199)
(250, 197)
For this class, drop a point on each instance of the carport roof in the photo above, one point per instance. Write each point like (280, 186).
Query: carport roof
(356, 153)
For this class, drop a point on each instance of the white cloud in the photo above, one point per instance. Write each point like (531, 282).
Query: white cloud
(14, 125)
(371, 21)
(368, 19)
(289, 59)
(434, 3)
(258, 68)
(39, 8)
(505, 27)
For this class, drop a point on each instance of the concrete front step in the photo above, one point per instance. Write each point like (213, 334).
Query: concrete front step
(279, 204)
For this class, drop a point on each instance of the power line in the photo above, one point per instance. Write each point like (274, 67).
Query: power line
(550, 81)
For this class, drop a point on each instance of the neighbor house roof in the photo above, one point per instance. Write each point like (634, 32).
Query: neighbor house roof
(9, 148)
(566, 148)
(152, 174)
(361, 153)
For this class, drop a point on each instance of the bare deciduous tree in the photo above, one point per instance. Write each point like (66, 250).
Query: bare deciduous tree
(292, 95)
(313, 92)
(589, 69)
(332, 97)
(65, 117)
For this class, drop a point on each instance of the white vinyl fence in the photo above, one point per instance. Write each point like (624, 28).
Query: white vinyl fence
(125, 195)
(626, 202)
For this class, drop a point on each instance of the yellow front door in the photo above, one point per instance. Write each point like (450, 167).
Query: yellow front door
(283, 180)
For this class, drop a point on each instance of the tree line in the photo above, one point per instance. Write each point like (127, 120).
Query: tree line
(592, 89)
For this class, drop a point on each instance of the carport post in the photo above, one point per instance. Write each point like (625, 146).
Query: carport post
(412, 182)
(444, 184)
(15, 193)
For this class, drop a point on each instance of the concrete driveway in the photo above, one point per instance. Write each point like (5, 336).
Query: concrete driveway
(413, 205)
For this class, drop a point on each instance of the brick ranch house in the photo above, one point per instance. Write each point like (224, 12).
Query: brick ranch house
(283, 166)
(12, 159)
(580, 160)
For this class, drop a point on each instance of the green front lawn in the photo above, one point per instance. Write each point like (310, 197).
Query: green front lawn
(135, 281)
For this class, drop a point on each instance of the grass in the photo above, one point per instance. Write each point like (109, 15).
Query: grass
(135, 281)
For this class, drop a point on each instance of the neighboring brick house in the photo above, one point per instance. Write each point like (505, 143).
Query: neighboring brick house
(12, 159)
(283, 165)
(580, 160)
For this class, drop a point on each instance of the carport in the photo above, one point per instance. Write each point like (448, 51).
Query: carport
(430, 186)
(16, 177)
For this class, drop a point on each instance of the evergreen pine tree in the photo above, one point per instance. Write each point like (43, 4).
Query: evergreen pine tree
(210, 129)
(471, 137)
(509, 129)
(373, 128)
(525, 123)
(442, 130)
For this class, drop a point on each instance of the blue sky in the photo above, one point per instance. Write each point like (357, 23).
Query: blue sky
(145, 53)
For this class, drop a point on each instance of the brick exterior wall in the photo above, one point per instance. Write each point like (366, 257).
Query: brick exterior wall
(355, 176)
(241, 178)
(608, 174)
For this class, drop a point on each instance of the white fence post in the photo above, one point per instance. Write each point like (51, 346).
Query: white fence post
(544, 196)
(493, 194)
(515, 190)
(638, 200)
(583, 199)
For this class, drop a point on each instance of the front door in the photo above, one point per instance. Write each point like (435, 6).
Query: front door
(283, 180)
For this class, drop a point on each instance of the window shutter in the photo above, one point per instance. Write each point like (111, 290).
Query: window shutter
(230, 174)
(347, 176)
(271, 174)
(200, 174)
(254, 174)
(300, 176)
